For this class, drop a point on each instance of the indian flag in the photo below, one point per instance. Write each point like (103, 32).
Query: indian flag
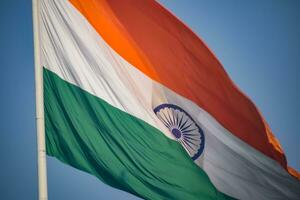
(135, 98)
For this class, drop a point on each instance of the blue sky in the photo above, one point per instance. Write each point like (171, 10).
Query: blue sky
(257, 42)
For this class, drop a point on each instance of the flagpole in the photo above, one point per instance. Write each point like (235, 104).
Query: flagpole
(40, 125)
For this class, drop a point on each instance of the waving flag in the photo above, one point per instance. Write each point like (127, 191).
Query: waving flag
(134, 97)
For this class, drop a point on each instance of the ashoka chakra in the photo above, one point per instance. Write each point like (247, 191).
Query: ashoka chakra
(183, 127)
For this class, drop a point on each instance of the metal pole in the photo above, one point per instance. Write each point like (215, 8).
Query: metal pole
(41, 150)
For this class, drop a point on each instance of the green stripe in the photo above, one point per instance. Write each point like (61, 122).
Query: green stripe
(121, 150)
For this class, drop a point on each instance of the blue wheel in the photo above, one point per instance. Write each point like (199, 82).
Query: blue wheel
(183, 127)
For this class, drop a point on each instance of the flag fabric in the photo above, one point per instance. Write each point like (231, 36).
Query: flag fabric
(135, 98)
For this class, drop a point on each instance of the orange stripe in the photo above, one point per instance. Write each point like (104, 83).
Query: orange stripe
(294, 172)
(162, 47)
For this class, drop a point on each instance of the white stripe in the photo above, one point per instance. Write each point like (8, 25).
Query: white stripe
(73, 50)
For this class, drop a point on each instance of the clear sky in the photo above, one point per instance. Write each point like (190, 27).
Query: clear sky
(257, 42)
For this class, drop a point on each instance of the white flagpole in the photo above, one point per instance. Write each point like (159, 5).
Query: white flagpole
(41, 150)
